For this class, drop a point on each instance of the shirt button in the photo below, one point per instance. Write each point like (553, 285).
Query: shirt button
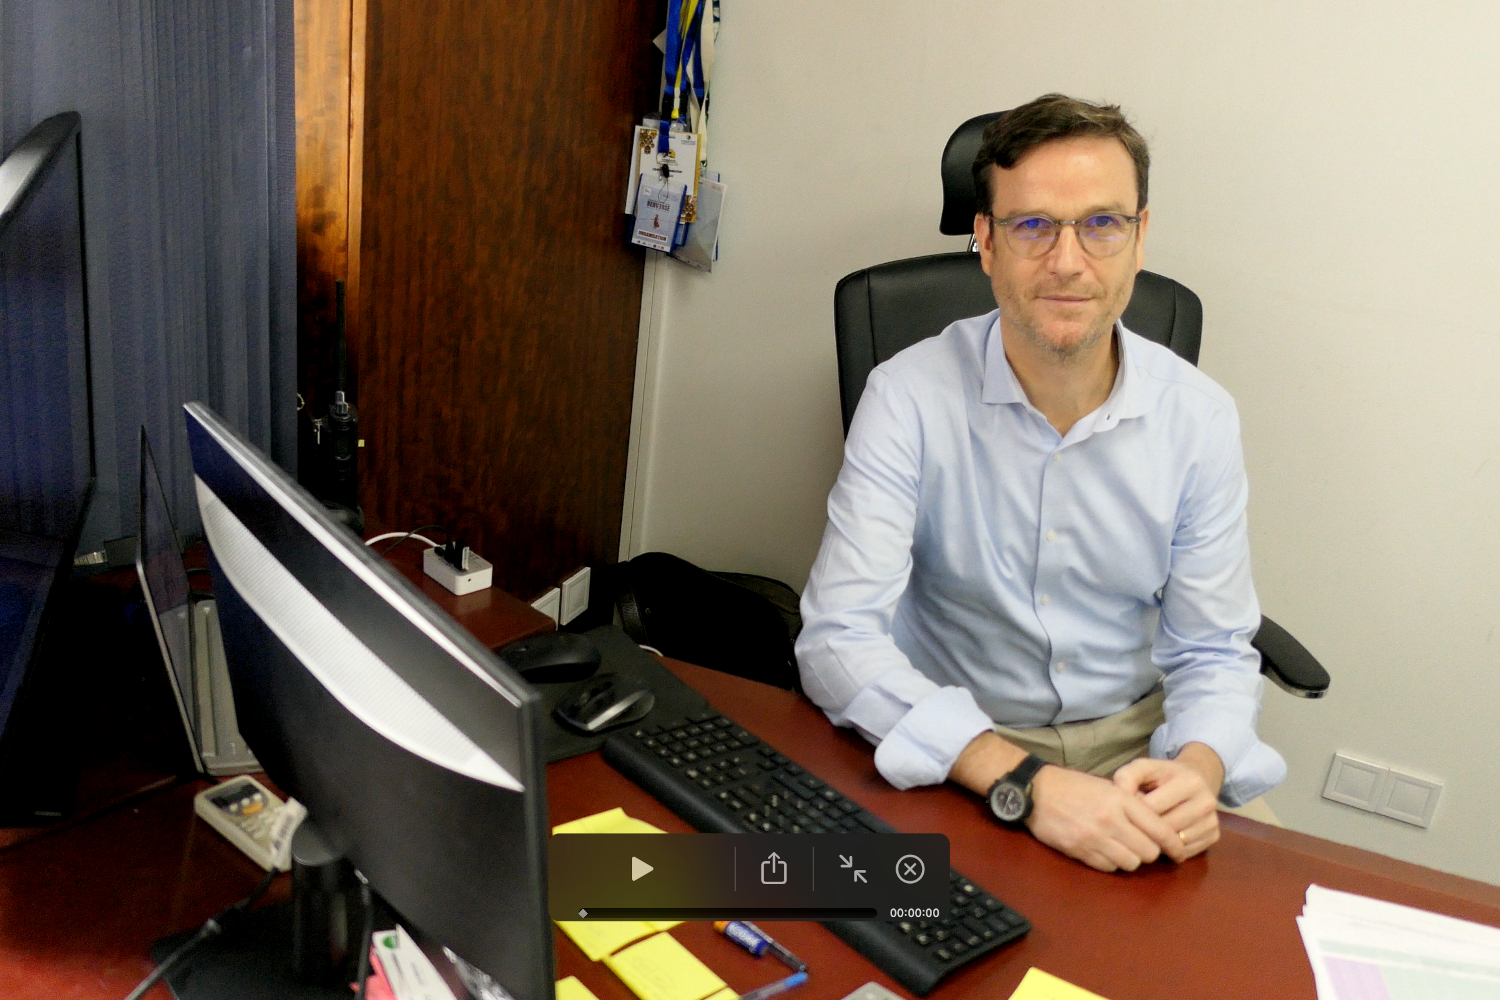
(1062, 665)
(1046, 599)
(1051, 535)
(1056, 455)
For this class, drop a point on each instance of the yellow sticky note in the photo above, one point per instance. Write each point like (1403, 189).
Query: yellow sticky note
(572, 989)
(659, 968)
(1039, 985)
(598, 938)
(609, 821)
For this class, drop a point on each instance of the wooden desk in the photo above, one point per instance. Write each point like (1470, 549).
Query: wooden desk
(79, 907)
(1220, 925)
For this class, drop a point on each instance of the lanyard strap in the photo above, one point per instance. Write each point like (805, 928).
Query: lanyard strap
(670, 69)
(682, 28)
(692, 53)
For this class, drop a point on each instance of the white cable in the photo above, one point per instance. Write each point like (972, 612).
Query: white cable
(400, 534)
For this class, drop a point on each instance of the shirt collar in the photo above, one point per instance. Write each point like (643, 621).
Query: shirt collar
(1126, 399)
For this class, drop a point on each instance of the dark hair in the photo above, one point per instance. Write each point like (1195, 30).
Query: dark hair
(1047, 119)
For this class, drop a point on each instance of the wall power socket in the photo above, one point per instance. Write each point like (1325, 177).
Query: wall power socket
(477, 573)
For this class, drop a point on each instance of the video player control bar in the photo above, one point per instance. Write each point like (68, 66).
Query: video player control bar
(701, 876)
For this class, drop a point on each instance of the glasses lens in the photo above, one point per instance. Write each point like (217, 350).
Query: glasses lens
(1104, 235)
(1031, 235)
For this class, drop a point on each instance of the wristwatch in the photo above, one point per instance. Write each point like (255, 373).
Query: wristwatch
(1010, 797)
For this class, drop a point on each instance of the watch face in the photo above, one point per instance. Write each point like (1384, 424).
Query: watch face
(1008, 802)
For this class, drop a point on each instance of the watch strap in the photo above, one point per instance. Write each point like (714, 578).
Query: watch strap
(1025, 771)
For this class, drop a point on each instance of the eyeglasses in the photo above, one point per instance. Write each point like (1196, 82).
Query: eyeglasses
(1102, 234)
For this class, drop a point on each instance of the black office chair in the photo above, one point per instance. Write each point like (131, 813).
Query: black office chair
(886, 308)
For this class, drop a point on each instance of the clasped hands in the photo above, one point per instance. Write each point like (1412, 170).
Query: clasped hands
(1150, 808)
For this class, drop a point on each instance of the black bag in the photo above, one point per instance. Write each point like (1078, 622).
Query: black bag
(738, 623)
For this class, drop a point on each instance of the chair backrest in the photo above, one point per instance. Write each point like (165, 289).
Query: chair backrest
(884, 309)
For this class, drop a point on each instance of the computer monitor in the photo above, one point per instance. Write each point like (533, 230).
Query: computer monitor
(46, 459)
(414, 748)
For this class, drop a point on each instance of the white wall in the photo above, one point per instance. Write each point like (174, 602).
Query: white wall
(1324, 177)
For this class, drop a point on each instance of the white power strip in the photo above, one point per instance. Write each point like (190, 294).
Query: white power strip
(253, 818)
(477, 574)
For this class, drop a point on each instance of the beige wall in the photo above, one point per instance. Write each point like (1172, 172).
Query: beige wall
(1325, 178)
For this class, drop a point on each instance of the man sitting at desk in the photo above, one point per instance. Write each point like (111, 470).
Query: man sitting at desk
(1036, 547)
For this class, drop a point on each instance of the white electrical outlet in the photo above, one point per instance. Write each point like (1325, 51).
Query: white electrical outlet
(1409, 798)
(1377, 788)
(1354, 782)
(549, 604)
(575, 596)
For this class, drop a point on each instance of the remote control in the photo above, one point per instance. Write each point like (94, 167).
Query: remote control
(253, 818)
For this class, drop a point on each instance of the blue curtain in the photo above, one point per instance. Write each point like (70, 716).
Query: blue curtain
(189, 194)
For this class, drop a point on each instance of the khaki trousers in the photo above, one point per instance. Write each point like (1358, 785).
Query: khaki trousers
(1098, 746)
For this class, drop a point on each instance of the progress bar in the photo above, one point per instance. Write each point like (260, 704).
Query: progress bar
(727, 913)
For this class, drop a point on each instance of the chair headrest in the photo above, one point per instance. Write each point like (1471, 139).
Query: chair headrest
(958, 175)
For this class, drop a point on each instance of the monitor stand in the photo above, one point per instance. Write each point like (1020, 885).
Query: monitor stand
(253, 962)
(301, 949)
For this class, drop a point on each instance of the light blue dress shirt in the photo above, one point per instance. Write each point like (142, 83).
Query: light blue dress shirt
(978, 567)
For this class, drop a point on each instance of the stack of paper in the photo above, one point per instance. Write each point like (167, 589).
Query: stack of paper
(1367, 949)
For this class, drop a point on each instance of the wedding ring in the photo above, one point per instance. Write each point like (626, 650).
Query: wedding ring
(1182, 837)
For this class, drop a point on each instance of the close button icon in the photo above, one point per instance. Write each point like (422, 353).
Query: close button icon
(910, 869)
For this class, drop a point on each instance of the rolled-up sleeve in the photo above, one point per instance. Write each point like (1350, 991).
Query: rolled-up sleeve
(850, 666)
(1209, 614)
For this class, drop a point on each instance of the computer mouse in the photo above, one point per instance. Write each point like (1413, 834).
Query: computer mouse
(552, 658)
(604, 702)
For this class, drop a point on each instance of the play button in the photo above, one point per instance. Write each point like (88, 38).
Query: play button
(639, 868)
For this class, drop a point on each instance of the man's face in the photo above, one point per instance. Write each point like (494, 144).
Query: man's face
(1065, 301)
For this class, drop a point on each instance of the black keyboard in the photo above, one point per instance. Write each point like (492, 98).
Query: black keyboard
(721, 778)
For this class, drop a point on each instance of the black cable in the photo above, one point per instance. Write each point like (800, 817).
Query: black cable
(368, 938)
(410, 533)
(215, 925)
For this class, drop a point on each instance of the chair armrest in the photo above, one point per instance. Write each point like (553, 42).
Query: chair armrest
(1288, 663)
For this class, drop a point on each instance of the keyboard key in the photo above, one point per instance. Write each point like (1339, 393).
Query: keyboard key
(944, 954)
